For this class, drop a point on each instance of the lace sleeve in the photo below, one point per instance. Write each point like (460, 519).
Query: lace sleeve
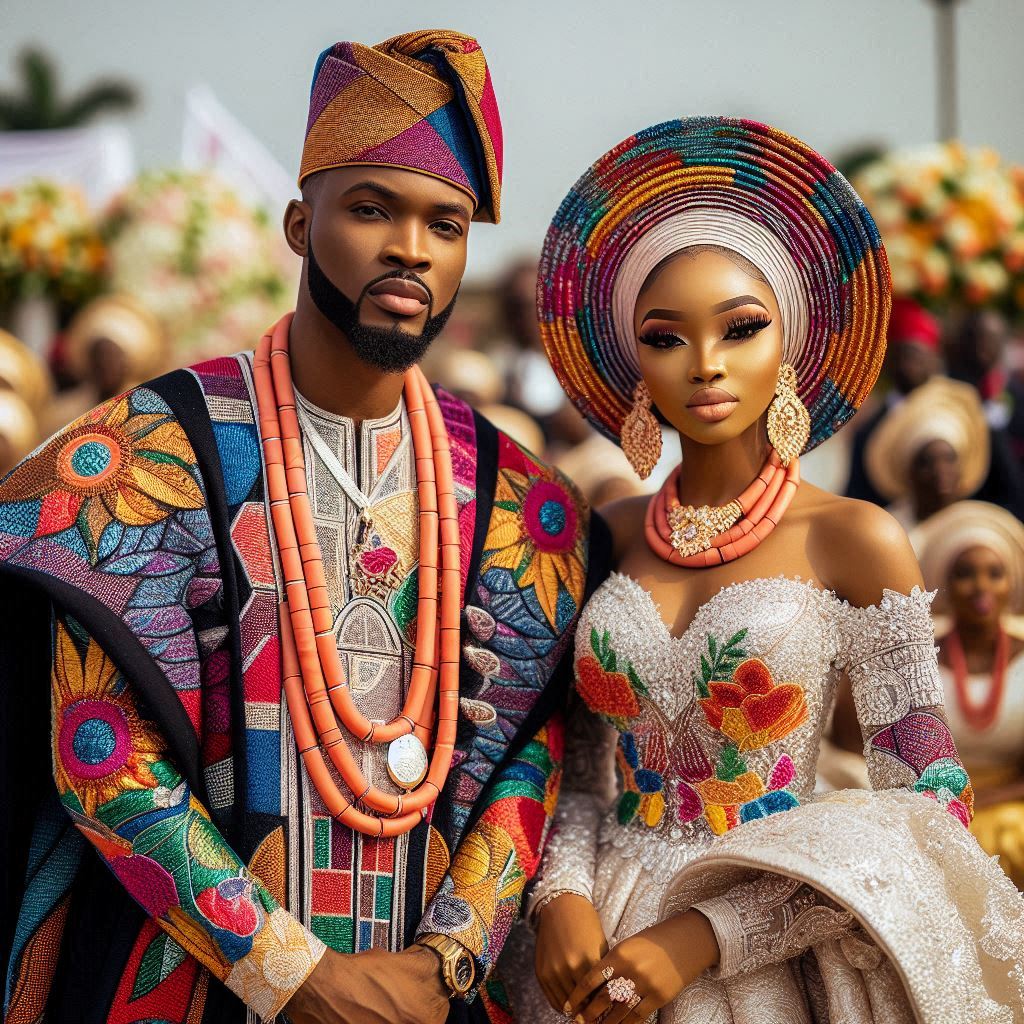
(888, 651)
(770, 919)
(588, 787)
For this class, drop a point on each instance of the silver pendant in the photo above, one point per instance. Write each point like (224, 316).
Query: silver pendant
(407, 761)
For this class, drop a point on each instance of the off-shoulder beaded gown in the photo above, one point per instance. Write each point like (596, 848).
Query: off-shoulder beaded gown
(689, 781)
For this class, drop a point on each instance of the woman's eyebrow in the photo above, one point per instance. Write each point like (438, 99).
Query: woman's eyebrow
(722, 307)
(740, 300)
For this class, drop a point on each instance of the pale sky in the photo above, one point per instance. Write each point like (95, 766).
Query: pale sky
(572, 78)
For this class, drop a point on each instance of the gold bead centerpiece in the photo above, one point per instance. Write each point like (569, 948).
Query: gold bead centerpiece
(694, 528)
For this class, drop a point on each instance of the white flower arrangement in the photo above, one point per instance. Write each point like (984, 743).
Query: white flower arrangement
(952, 220)
(210, 268)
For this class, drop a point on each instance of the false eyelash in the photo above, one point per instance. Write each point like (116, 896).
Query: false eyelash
(746, 326)
(661, 339)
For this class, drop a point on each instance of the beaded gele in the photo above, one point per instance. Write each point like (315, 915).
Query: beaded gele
(730, 167)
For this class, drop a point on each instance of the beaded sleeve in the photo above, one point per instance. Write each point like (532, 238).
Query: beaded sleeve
(889, 654)
(588, 787)
(126, 796)
(888, 651)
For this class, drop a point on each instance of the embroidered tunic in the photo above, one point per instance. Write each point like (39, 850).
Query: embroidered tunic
(347, 887)
(718, 729)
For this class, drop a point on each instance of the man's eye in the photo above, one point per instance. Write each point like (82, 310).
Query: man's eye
(368, 211)
(447, 227)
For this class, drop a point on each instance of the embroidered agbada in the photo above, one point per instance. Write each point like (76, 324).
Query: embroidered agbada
(422, 101)
(144, 526)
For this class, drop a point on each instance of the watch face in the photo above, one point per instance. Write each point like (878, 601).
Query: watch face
(464, 971)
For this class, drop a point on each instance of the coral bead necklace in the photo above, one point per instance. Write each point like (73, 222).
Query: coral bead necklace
(979, 715)
(320, 702)
(698, 538)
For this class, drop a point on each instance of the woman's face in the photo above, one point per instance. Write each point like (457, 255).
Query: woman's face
(979, 587)
(935, 472)
(709, 340)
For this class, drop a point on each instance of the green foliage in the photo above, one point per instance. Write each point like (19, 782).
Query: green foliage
(162, 956)
(37, 104)
(730, 765)
(629, 802)
(720, 662)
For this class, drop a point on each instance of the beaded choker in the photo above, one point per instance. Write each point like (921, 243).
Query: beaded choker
(698, 538)
(320, 702)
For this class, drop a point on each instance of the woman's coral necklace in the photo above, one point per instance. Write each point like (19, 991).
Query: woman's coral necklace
(320, 702)
(979, 716)
(698, 538)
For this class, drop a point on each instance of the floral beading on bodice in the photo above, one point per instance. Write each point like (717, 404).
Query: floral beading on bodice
(722, 724)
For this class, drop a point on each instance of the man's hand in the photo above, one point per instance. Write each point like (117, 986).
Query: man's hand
(374, 987)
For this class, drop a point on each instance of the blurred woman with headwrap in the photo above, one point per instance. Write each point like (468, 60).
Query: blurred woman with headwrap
(973, 553)
(112, 344)
(25, 389)
(929, 451)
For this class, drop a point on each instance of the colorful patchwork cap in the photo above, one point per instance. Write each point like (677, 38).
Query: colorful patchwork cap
(422, 101)
(715, 181)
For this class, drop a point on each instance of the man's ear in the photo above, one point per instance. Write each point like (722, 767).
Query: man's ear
(298, 216)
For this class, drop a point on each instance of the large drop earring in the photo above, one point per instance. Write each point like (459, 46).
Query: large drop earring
(641, 434)
(789, 422)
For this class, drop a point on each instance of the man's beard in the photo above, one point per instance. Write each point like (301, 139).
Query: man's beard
(390, 349)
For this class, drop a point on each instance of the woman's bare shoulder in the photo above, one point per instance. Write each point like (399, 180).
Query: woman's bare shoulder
(858, 547)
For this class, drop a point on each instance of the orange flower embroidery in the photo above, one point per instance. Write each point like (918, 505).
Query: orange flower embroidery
(752, 709)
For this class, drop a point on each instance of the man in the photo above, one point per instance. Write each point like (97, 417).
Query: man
(187, 865)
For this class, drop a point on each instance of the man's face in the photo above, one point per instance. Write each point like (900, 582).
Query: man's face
(391, 241)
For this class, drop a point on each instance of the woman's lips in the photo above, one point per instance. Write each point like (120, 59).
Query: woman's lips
(399, 297)
(983, 604)
(712, 404)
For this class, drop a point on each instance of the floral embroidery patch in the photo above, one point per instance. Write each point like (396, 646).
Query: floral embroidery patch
(608, 685)
(535, 533)
(127, 462)
(739, 698)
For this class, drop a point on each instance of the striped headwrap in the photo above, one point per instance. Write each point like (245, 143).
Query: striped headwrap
(421, 101)
(715, 181)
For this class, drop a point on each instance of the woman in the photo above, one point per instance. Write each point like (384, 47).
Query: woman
(724, 273)
(930, 450)
(111, 345)
(974, 553)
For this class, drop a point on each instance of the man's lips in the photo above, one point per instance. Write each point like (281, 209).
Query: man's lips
(399, 296)
(712, 404)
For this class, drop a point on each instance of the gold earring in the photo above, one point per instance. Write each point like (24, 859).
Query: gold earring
(789, 422)
(641, 435)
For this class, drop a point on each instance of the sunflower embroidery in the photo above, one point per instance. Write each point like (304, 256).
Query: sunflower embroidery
(128, 461)
(534, 534)
(100, 745)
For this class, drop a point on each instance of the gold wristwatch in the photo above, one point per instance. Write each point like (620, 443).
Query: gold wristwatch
(457, 966)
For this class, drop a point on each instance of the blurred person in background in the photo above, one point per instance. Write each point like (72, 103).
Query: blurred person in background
(977, 352)
(912, 358)
(601, 471)
(19, 429)
(234, 839)
(973, 553)
(111, 345)
(930, 450)
(26, 389)
(531, 384)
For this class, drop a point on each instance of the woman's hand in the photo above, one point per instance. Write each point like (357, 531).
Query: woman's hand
(661, 961)
(570, 940)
